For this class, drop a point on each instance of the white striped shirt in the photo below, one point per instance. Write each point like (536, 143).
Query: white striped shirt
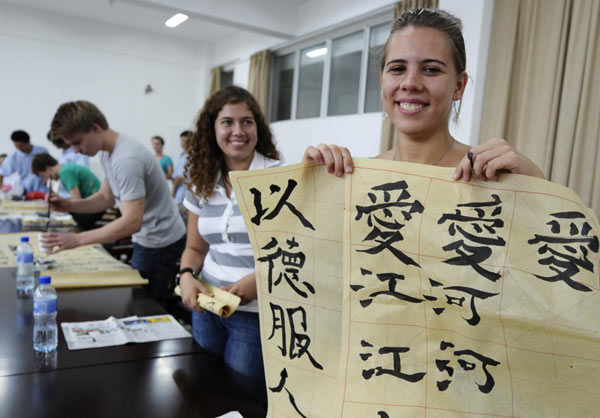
(221, 225)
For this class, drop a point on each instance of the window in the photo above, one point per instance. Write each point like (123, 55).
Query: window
(334, 75)
(377, 40)
(346, 55)
(283, 82)
(226, 78)
(312, 64)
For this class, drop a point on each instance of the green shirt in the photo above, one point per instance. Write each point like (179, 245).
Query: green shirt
(165, 162)
(73, 175)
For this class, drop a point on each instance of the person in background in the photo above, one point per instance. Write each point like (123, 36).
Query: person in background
(68, 155)
(231, 134)
(179, 177)
(20, 162)
(165, 162)
(78, 180)
(135, 182)
(422, 79)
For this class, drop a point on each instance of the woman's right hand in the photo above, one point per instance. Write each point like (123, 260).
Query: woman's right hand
(337, 159)
(190, 287)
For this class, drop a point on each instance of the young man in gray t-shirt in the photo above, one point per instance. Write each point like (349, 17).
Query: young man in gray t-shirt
(134, 181)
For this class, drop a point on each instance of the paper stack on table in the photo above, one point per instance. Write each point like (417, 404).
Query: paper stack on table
(87, 266)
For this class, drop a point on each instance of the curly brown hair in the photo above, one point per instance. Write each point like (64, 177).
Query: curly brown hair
(205, 158)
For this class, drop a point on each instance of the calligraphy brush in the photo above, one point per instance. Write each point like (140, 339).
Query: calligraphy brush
(49, 196)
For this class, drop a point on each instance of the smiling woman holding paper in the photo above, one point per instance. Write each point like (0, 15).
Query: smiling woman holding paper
(422, 81)
(231, 134)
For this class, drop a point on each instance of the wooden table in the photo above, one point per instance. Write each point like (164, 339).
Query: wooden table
(169, 378)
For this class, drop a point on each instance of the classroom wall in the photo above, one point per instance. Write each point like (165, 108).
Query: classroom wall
(48, 59)
(361, 133)
(317, 14)
(313, 15)
(51, 58)
(234, 53)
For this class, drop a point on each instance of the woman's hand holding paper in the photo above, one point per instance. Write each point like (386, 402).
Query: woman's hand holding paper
(245, 288)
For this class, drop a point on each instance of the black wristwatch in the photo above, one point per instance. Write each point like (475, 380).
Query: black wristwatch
(181, 272)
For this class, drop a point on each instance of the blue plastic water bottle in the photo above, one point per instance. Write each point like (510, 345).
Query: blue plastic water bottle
(25, 270)
(45, 331)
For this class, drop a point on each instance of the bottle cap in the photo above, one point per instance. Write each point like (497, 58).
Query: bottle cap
(24, 239)
(45, 279)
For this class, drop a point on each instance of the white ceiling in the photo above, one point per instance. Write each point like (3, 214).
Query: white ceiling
(209, 20)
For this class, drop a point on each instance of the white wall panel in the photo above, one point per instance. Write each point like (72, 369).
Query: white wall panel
(48, 59)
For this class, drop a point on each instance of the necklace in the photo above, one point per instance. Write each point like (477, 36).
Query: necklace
(439, 159)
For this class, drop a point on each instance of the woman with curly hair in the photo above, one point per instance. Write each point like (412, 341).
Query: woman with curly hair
(231, 134)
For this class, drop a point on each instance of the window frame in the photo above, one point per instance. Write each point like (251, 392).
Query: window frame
(229, 69)
(327, 35)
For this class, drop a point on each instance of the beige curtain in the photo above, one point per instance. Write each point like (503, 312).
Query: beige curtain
(543, 91)
(388, 131)
(215, 82)
(258, 78)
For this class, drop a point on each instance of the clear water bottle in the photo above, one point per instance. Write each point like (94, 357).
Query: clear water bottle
(45, 331)
(25, 269)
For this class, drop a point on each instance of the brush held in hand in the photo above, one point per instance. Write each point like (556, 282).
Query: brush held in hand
(49, 196)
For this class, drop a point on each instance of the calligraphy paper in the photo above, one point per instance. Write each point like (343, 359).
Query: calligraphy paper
(397, 291)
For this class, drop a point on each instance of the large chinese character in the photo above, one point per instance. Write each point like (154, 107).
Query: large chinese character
(563, 247)
(298, 343)
(281, 386)
(474, 247)
(396, 371)
(451, 299)
(465, 365)
(292, 261)
(385, 231)
(453, 295)
(391, 279)
(283, 201)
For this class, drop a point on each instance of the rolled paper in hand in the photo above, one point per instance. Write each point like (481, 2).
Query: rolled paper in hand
(223, 303)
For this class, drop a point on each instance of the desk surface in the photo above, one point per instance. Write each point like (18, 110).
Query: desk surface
(174, 386)
(169, 378)
(16, 321)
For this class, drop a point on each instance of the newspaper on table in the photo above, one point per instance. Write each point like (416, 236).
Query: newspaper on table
(114, 331)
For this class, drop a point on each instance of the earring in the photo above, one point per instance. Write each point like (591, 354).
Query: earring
(456, 104)
(384, 115)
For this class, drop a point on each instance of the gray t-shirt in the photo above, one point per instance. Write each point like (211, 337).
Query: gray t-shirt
(132, 172)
